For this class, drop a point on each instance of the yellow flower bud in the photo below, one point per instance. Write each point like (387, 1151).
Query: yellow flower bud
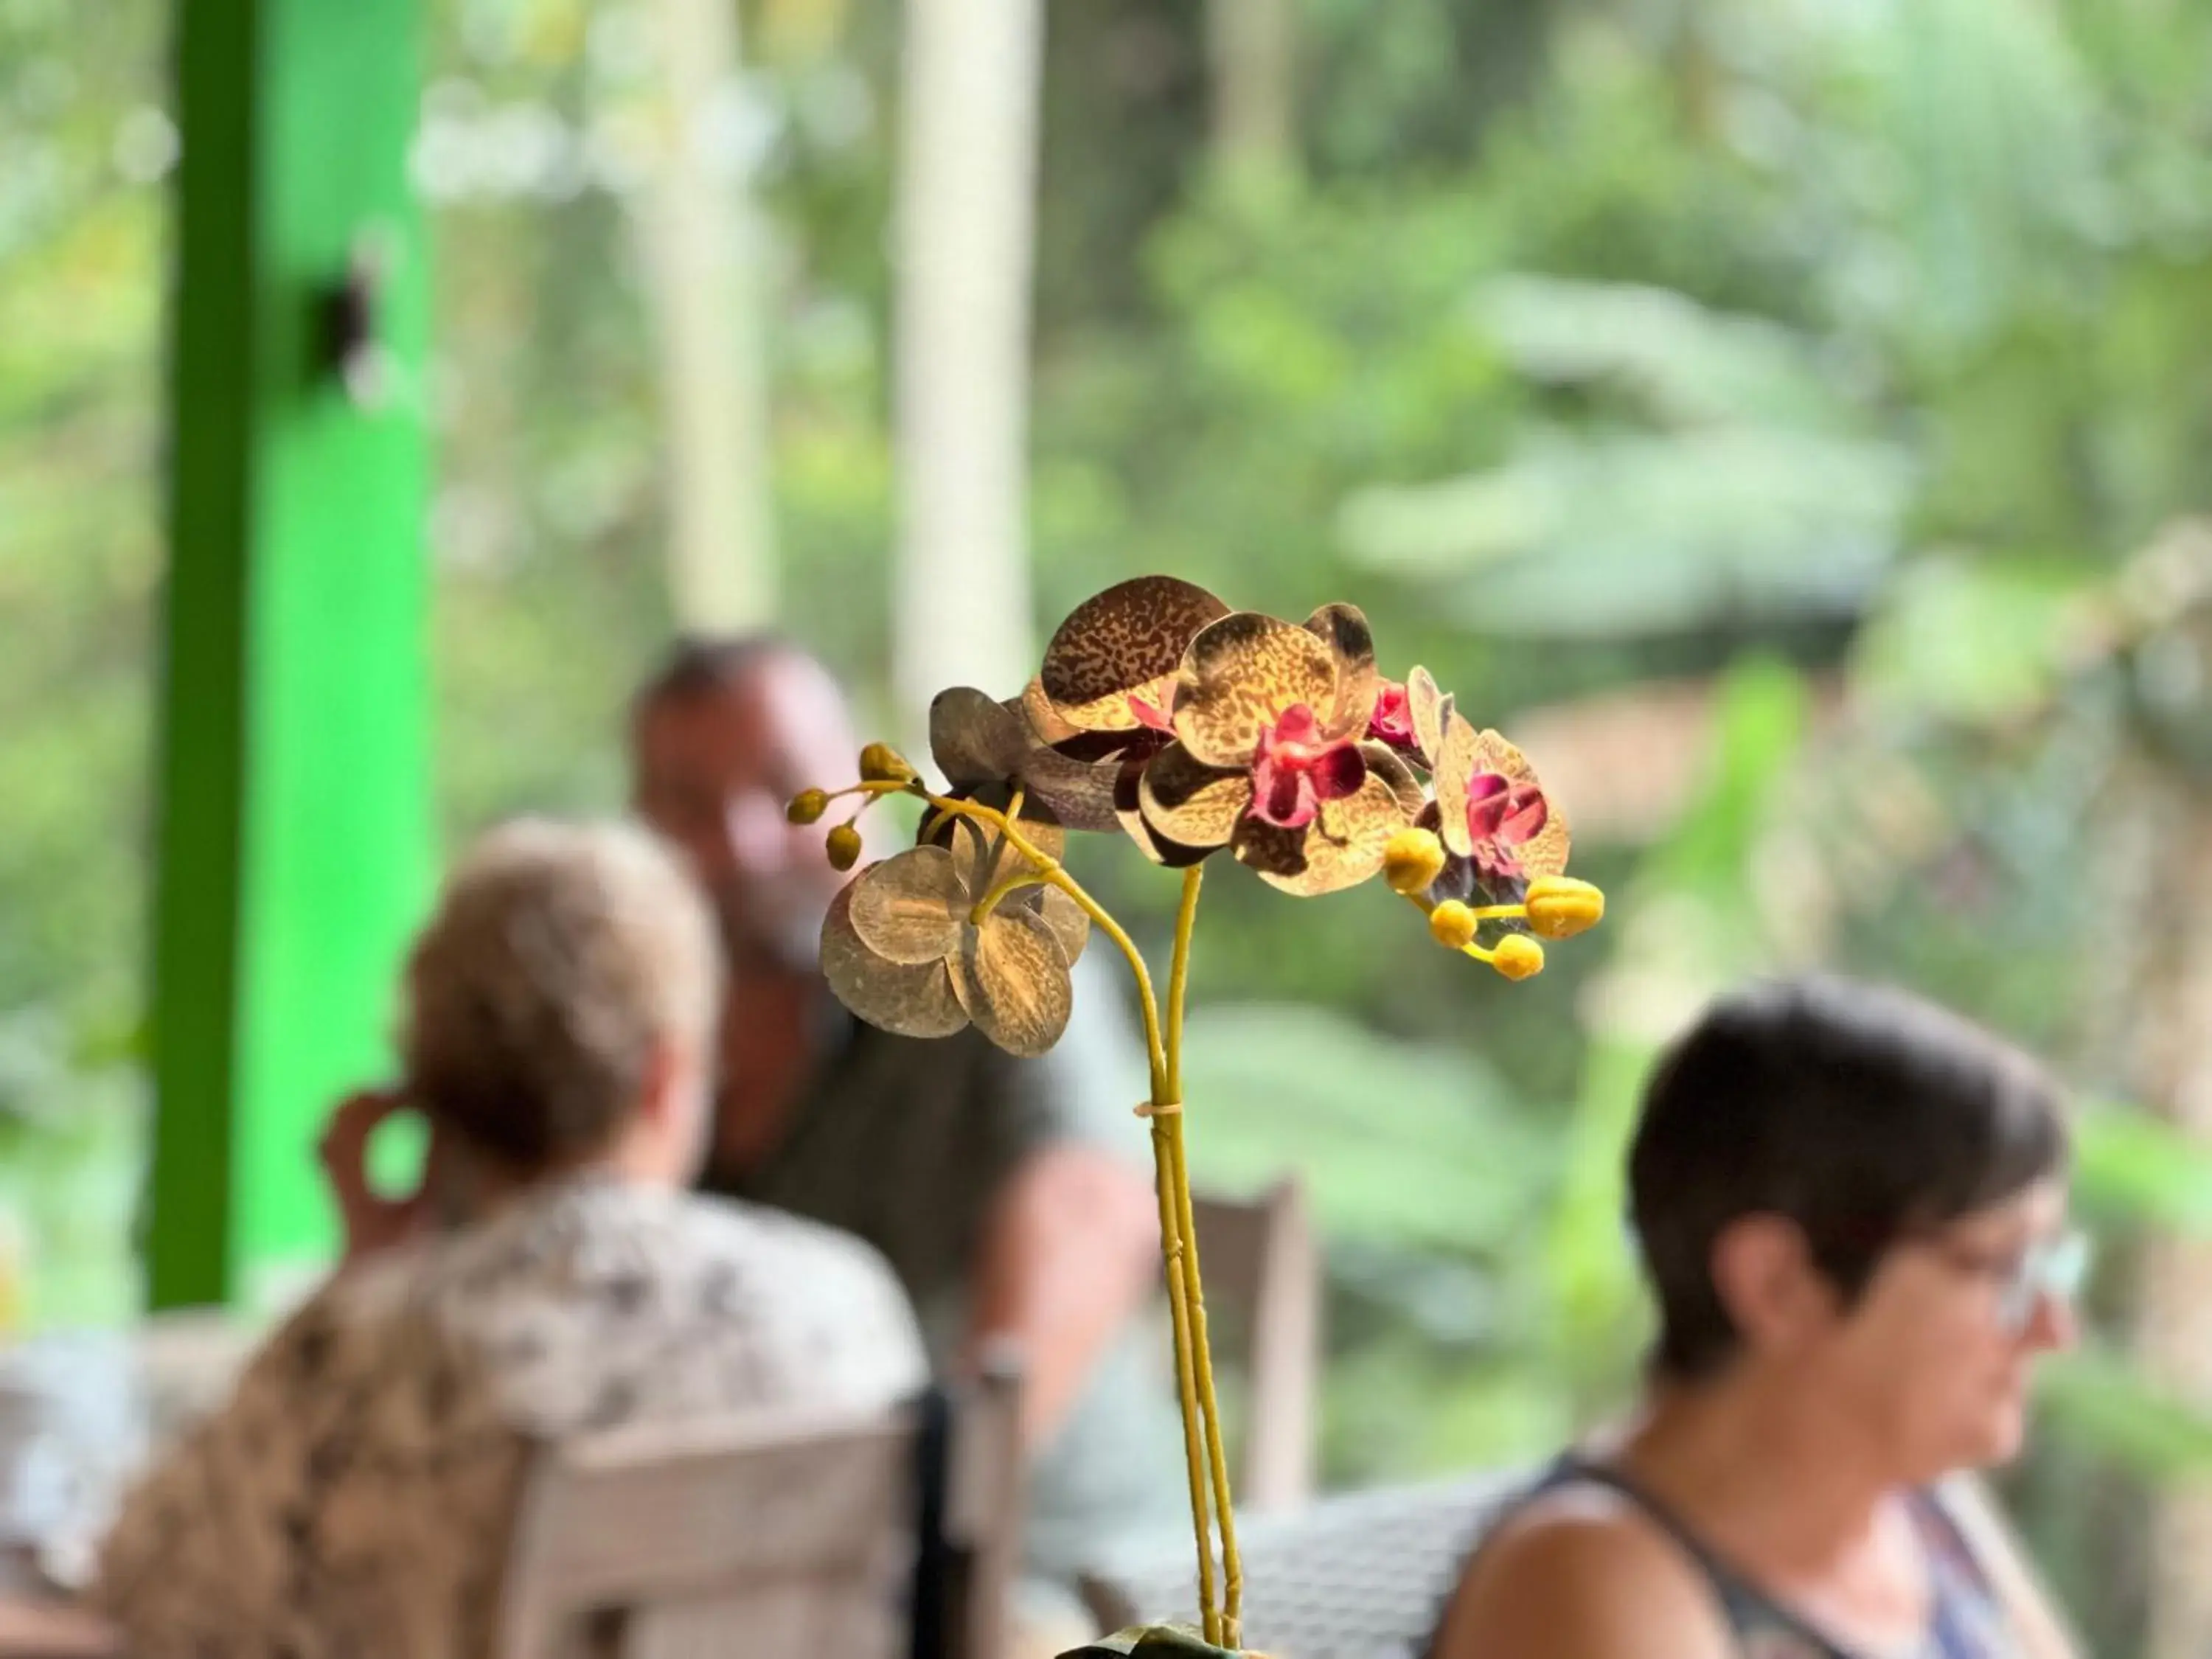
(844, 847)
(1559, 906)
(807, 805)
(1414, 859)
(881, 763)
(1453, 924)
(1518, 956)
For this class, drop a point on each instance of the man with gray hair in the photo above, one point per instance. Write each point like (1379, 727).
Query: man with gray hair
(1009, 1196)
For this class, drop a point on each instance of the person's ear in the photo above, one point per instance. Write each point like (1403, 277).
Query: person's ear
(660, 1088)
(1776, 1296)
(673, 1111)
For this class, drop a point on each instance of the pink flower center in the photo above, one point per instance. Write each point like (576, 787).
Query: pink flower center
(1501, 815)
(1295, 768)
(1393, 719)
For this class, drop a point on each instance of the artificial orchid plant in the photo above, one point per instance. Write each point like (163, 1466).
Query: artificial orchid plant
(1161, 713)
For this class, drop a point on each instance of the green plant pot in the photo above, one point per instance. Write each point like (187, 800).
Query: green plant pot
(1155, 1642)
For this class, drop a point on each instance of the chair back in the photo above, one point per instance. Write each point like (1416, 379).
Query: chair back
(1356, 1575)
(766, 1534)
(1263, 1284)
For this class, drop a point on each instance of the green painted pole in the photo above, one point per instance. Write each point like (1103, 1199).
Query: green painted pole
(293, 839)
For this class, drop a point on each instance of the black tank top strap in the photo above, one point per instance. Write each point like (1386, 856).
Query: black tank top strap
(1966, 1619)
(1759, 1625)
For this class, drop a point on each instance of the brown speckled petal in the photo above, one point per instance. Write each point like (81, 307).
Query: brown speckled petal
(1344, 630)
(1457, 766)
(1342, 848)
(1079, 794)
(1429, 707)
(1044, 720)
(1240, 676)
(1119, 642)
(1011, 975)
(1128, 807)
(1385, 763)
(973, 737)
(914, 1001)
(1191, 803)
(909, 909)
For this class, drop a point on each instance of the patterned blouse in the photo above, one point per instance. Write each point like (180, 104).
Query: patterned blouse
(354, 1499)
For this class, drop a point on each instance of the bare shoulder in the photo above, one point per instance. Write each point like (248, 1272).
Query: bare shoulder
(1583, 1574)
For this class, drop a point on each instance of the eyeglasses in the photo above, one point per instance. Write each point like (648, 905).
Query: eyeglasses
(2049, 1270)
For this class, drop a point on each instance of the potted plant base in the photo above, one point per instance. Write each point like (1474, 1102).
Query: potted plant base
(1157, 1642)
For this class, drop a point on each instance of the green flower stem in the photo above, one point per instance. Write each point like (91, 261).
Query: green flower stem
(1232, 1570)
(1179, 972)
(1203, 1452)
(1012, 883)
(1195, 1462)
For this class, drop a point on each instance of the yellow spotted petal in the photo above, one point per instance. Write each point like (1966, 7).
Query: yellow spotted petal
(1191, 803)
(1385, 763)
(1045, 721)
(1342, 848)
(1011, 975)
(1455, 767)
(1546, 853)
(1118, 642)
(1238, 678)
(915, 1000)
(1344, 630)
(1128, 808)
(1429, 708)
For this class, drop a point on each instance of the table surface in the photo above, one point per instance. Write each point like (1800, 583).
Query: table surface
(184, 1364)
(84, 1412)
(35, 1624)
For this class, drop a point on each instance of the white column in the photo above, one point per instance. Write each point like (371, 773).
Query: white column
(1252, 51)
(965, 242)
(703, 257)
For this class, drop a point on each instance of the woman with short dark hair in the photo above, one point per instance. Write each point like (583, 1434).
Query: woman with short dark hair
(1850, 1207)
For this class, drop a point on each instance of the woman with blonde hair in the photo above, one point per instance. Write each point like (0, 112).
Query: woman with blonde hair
(553, 1276)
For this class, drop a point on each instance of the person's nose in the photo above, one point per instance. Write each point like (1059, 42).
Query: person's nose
(758, 833)
(2055, 1326)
